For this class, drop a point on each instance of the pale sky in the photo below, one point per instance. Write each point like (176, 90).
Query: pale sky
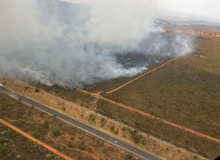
(209, 8)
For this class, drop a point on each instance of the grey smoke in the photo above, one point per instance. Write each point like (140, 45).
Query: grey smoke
(81, 44)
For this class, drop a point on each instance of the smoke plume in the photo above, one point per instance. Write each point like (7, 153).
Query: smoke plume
(83, 44)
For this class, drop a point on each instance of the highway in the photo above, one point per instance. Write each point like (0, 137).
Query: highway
(121, 144)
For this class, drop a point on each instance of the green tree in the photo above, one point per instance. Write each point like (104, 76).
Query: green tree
(37, 90)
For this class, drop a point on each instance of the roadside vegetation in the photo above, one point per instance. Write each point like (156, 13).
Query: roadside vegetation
(147, 143)
(61, 136)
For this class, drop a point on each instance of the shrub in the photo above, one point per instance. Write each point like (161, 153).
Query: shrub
(71, 144)
(26, 88)
(18, 156)
(116, 132)
(3, 149)
(129, 157)
(137, 139)
(56, 133)
(48, 156)
(113, 128)
(100, 143)
(3, 140)
(195, 157)
(57, 158)
(82, 146)
(36, 133)
(123, 129)
(103, 119)
(46, 123)
(137, 123)
(37, 90)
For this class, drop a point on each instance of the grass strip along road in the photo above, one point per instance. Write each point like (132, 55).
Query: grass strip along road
(93, 131)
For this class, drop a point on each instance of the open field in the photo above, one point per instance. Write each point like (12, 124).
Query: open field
(111, 85)
(63, 137)
(185, 92)
(157, 128)
(147, 143)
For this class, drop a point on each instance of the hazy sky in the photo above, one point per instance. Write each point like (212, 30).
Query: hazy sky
(209, 8)
(202, 7)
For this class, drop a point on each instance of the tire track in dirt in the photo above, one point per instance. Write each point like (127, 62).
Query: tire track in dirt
(36, 140)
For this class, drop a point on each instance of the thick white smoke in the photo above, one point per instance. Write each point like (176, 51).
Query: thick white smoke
(79, 44)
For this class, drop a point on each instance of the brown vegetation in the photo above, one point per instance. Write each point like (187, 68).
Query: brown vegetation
(71, 141)
(15, 146)
(104, 124)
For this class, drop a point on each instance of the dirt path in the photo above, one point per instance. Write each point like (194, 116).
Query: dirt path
(142, 75)
(36, 140)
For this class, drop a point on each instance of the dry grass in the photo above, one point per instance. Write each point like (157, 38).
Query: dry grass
(185, 91)
(84, 116)
(32, 121)
(18, 145)
(176, 136)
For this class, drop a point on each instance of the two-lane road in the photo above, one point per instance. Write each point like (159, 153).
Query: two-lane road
(132, 149)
